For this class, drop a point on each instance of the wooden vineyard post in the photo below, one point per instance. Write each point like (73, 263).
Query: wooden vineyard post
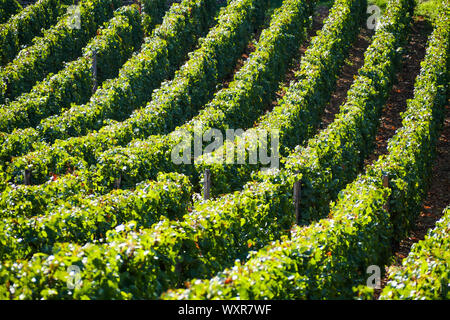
(27, 177)
(297, 193)
(94, 71)
(117, 182)
(207, 184)
(386, 185)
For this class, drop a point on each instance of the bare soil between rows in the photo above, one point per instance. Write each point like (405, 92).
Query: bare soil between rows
(438, 194)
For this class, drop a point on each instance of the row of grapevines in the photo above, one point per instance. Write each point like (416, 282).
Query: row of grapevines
(329, 259)
(80, 120)
(62, 42)
(27, 24)
(155, 250)
(427, 263)
(192, 86)
(254, 84)
(115, 43)
(253, 87)
(63, 184)
(36, 197)
(152, 13)
(218, 231)
(334, 156)
(16, 193)
(336, 146)
(86, 219)
(158, 59)
(22, 200)
(8, 8)
(297, 114)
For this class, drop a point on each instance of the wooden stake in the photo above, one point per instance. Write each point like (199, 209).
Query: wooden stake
(297, 193)
(94, 71)
(118, 182)
(27, 177)
(207, 184)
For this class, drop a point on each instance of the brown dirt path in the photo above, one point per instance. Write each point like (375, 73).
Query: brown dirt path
(320, 14)
(437, 199)
(403, 89)
(353, 63)
(438, 196)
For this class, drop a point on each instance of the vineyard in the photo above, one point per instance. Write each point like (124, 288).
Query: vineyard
(213, 149)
